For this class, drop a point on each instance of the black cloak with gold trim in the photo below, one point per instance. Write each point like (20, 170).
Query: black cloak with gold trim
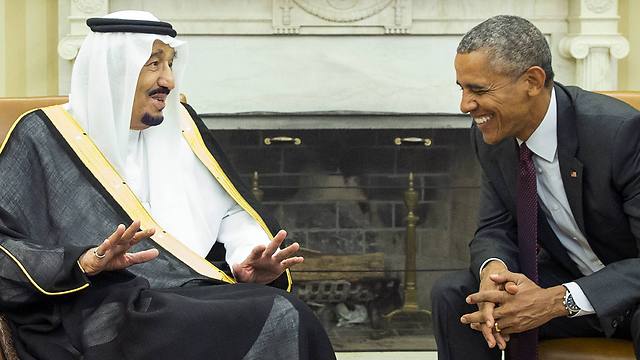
(58, 199)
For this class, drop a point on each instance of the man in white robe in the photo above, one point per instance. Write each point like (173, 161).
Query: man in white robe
(110, 209)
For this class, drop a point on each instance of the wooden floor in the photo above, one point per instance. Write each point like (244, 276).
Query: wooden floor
(406, 343)
(365, 339)
(388, 355)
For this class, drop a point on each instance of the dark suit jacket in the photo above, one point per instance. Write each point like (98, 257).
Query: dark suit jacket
(599, 139)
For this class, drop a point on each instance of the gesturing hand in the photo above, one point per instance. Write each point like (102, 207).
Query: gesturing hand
(264, 265)
(112, 253)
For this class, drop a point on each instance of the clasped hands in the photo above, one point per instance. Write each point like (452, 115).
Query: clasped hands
(514, 302)
(263, 265)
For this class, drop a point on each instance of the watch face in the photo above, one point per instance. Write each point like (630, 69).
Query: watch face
(570, 304)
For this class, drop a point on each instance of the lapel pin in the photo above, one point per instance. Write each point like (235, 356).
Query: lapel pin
(573, 173)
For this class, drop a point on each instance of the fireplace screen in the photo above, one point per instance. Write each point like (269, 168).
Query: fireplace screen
(380, 214)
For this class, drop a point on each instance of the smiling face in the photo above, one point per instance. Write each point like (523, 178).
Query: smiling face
(501, 105)
(154, 84)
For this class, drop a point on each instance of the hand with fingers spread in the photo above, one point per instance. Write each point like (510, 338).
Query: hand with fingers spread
(264, 264)
(529, 307)
(112, 253)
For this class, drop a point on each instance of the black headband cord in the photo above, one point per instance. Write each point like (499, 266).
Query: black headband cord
(135, 26)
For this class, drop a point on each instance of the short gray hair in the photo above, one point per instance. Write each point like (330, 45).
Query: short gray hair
(512, 43)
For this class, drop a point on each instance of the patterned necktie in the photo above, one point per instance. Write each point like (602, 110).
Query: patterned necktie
(527, 344)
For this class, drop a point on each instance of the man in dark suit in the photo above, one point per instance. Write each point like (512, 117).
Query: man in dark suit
(556, 249)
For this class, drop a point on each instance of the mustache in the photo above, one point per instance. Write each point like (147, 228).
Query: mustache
(159, 90)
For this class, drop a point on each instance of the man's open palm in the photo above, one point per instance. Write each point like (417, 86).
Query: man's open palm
(264, 264)
(112, 253)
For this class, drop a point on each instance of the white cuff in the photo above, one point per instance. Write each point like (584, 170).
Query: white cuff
(580, 299)
(487, 261)
(240, 233)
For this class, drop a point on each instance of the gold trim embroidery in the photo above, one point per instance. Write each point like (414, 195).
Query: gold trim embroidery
(195, 141)
(104, 172)
(34, 283)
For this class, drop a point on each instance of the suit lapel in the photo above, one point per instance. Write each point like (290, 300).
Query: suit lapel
(571, 168)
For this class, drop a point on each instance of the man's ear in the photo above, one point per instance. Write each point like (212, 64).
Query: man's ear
(535, 78)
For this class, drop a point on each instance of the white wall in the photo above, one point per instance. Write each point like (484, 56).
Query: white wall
(228, 74)
(354, 55)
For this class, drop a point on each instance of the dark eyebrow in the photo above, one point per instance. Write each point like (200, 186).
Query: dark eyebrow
(156, 53)
(474, 87)
(159, 52)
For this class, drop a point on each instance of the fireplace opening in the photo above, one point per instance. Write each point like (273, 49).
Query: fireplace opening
(341, 195)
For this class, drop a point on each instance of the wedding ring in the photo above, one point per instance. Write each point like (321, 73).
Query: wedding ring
(495, 326)
(99, 256)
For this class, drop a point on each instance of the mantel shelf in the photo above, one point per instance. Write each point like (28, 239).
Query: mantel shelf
(335, 120)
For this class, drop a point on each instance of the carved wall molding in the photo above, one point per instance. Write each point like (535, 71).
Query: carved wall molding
(599, 6)
(78, 13)
(342, 17)
(69, 46)
(585, 46)
(596, 57)
(579, 46)
(415, 17)
(594, 43)
(343, 10)
(89, 6)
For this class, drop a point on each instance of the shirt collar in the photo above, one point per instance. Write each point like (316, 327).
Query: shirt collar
(544, 140)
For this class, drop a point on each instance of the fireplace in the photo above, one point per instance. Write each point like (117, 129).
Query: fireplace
(340, 194)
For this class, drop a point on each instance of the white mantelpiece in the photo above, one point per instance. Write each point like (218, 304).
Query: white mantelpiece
(389, 56)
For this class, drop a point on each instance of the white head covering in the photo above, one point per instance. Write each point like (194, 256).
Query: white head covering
(104, 79)
(158, 165)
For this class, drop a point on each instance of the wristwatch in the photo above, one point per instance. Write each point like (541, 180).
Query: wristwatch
(569, 304)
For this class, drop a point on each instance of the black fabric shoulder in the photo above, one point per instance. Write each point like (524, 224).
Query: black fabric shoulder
(26, 130)
(597, 106)
(42, 117)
